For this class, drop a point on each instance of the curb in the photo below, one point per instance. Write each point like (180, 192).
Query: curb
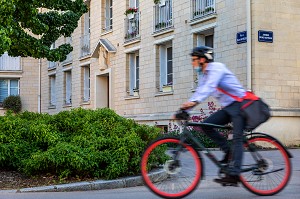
(89, 186)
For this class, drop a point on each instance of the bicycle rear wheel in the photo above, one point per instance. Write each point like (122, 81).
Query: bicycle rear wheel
(170, 178)
(273, 166)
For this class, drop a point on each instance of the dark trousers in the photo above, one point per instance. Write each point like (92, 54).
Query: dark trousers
(229, 114)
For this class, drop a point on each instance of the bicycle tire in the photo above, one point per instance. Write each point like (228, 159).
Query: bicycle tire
(171, 176)
(275, 171)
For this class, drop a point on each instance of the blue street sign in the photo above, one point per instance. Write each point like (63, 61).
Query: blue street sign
(241, 37)
(265, 36)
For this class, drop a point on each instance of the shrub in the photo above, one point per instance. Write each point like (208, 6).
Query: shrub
(84, 143)
(13, 103)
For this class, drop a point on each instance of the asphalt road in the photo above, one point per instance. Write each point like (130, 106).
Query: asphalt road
(207, 189)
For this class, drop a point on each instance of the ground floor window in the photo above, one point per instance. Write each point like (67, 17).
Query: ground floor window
(8, 87)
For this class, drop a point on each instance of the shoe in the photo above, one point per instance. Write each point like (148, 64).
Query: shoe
(226, 158)
(228, 180)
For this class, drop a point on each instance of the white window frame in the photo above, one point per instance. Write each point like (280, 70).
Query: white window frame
(108, 14)
(134, 68)
(86, 84)
(134, 3)
(163, 65)
(68, 87)
(9, 86)
(52, 90)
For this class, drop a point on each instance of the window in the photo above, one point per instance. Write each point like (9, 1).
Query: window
(134, 73)
(132, 24)
(68, 87)
(85, 37)
(108, 15)
(8, 87)
(133, 3)
(52, 90)
(51, 64)
(163, 16)
(169, 66)
(206, 38)
(86, 83)
(166, 67)
(201, 8)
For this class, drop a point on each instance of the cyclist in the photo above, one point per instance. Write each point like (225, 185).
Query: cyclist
(211, 76)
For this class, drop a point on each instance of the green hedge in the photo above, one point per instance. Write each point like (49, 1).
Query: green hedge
(84, 143)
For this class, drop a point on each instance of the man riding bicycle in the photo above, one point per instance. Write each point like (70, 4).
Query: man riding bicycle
(212, 77)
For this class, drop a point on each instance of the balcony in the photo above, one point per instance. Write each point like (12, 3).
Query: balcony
(8, 63)
(202, 8)
(85, 45)
(163, 16)
(132, 27)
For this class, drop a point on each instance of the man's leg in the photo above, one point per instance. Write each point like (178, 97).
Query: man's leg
(237, 150)
(220, 117)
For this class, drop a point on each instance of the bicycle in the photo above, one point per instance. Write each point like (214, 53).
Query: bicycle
(168, 177)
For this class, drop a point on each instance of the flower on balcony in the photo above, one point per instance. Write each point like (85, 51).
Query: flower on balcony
(130, 11)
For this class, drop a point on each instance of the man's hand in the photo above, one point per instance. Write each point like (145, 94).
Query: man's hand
(188, 105)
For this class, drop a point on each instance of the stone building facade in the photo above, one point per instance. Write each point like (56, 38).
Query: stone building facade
(140, 66)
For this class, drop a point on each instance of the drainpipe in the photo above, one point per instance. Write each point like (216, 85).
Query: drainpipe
(249, 45)
(39, 83)
(39, 87)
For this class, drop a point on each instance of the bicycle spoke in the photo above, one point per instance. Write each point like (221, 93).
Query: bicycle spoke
(183, 174)
(272, 167)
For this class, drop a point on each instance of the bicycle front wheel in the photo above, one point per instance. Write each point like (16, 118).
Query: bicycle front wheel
(166, 177)
(271, 166)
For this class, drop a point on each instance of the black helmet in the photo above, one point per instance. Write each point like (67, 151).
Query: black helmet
(203, 51)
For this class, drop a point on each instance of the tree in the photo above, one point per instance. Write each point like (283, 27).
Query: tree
(26, 31)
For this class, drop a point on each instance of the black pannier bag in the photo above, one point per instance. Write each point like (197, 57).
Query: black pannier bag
(253, 109)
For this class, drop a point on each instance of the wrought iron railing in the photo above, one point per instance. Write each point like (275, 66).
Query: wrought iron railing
(163, 16)
(201, 8)
(132, 27)
(85, 45)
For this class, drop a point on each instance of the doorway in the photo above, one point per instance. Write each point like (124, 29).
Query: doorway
(103, 91)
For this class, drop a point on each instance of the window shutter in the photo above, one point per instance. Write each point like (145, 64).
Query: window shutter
(86, 86)
(137, 72)
(107, 14)
(3, 90)
(52, 91)
(131, 73)
(87, 23)
(162, 65)
(132, 3)
(68, 88)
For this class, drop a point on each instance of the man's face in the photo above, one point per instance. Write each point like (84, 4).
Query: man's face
(198, 62)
